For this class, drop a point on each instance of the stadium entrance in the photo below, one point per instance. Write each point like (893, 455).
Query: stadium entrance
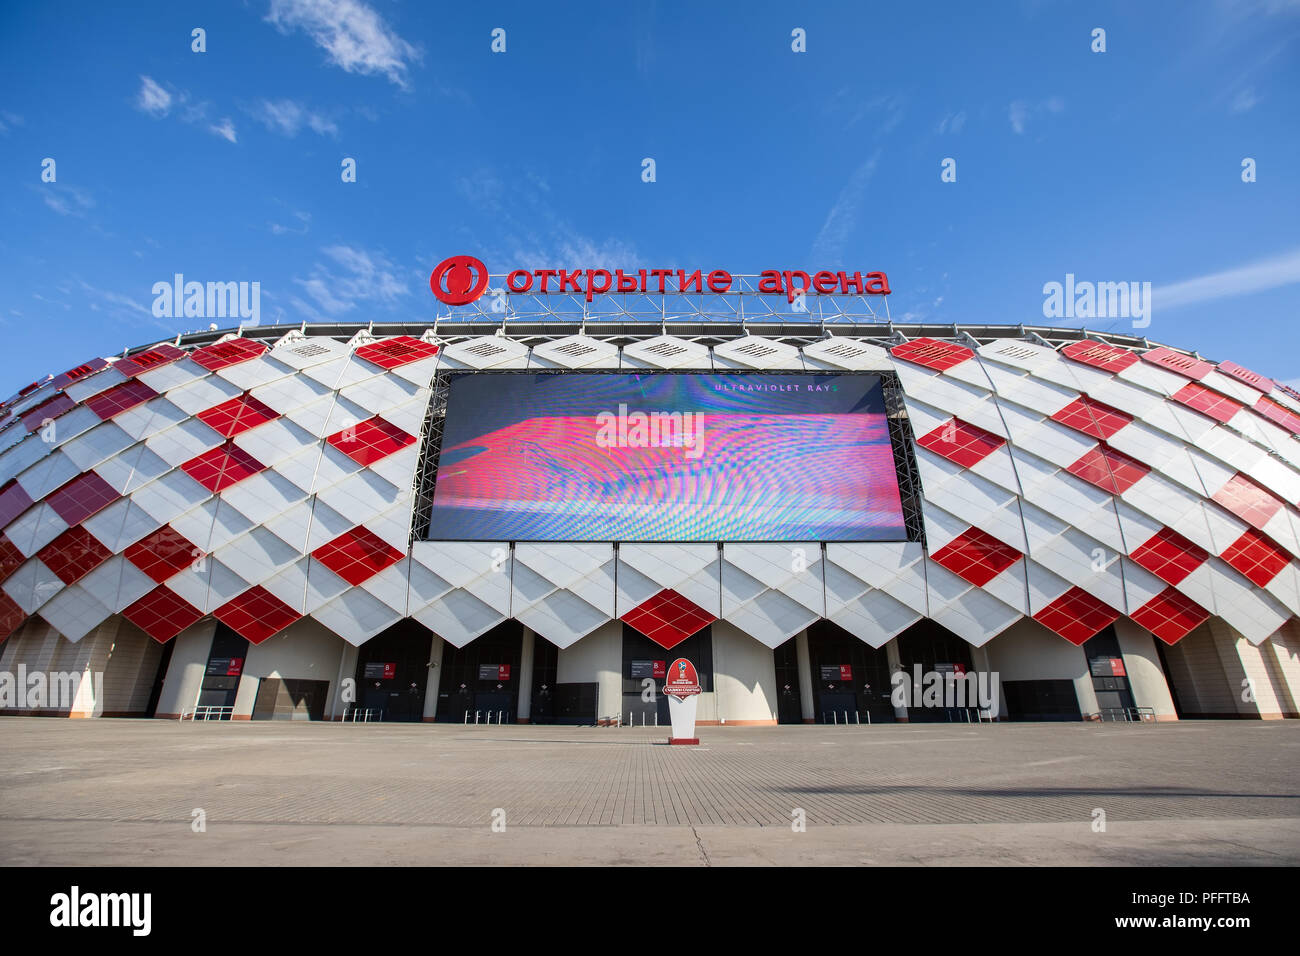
(850, 678)
(482, 678)
(392, 671)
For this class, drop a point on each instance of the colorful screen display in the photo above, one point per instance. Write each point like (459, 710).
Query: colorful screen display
(664, 456)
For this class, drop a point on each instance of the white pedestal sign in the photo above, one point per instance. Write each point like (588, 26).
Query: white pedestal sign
(682, 686)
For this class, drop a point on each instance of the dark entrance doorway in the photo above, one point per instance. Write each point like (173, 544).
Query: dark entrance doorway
(482, 677)
(850, 678)
(645, 666)
(937, 650)
(789, 702)
(1109, 676)
(221, 676)
(393, 671)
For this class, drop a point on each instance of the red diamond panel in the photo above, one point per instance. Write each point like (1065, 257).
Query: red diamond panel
(83, 496)
(162, 614)
(1207, 402)
(1170, 616)
(81, 371)
(1169, 556)
(1112, 358)
(961, 442)
(155, 357)
(222, 467)
(1076, 615)
(391, 353)
(50, 408)
(162, 554)
(1092, 417)
(11, 559)
(74, 554)
(1278, 414)
(13, 502)
(1253, 379)
(976, 556)
(237, 414)
(357, 555)
(1248, 501)
(668, 618)
(1257, 557)
(256, 614)
(1109, 470)
(119, 398)
(932, 353)
(370, 441)
(1185, 365)
(225, 354)
(11, 616)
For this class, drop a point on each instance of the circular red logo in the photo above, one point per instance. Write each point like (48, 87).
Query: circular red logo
(458, 280)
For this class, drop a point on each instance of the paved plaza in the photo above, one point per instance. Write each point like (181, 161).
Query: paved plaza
(125, 792)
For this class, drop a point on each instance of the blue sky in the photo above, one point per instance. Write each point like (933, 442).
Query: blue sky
(224, 165)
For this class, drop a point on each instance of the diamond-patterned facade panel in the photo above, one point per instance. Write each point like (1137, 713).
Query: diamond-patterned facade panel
(1170, 615)
(1076, 615)
(370, 441)
(357, 555)
(162, 614)
(668, 618)
(1207, 401)
(74, 554)
(256, 614)
(222, 467)
(1169, 556)
(976, 556)
(237, 415)
(1248, 501)
(1092, 417)
(1109, 469)
(1257, 557)
(932, 353)
(961, 442)
(162, 554)
(1102, 355)
(395, 352)
(225, 354)
(82, 497)
(11, 616)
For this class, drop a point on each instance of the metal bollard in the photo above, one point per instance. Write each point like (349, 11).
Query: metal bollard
(857, 718)
(499, 713)
(477, 713)
(467, 718)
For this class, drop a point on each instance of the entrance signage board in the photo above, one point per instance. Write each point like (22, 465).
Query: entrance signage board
(682, 685)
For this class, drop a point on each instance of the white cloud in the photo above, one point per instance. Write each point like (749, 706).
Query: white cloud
(352, 34)
(828, 248)
(952, 123)
(1270, 273)
(152, 98)
(288, 117)
(8, 121)
(357, 277)
(66, 200)
(1021, 111)
(1244, 101)
(225, 129)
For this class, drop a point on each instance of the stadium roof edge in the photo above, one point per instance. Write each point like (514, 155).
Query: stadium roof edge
(885, 332)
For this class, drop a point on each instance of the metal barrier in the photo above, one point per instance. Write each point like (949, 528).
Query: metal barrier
(361, 714)
(210, 712)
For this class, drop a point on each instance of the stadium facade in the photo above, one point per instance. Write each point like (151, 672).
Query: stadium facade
(310, 523)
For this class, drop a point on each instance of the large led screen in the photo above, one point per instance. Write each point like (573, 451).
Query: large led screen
(664, 456)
